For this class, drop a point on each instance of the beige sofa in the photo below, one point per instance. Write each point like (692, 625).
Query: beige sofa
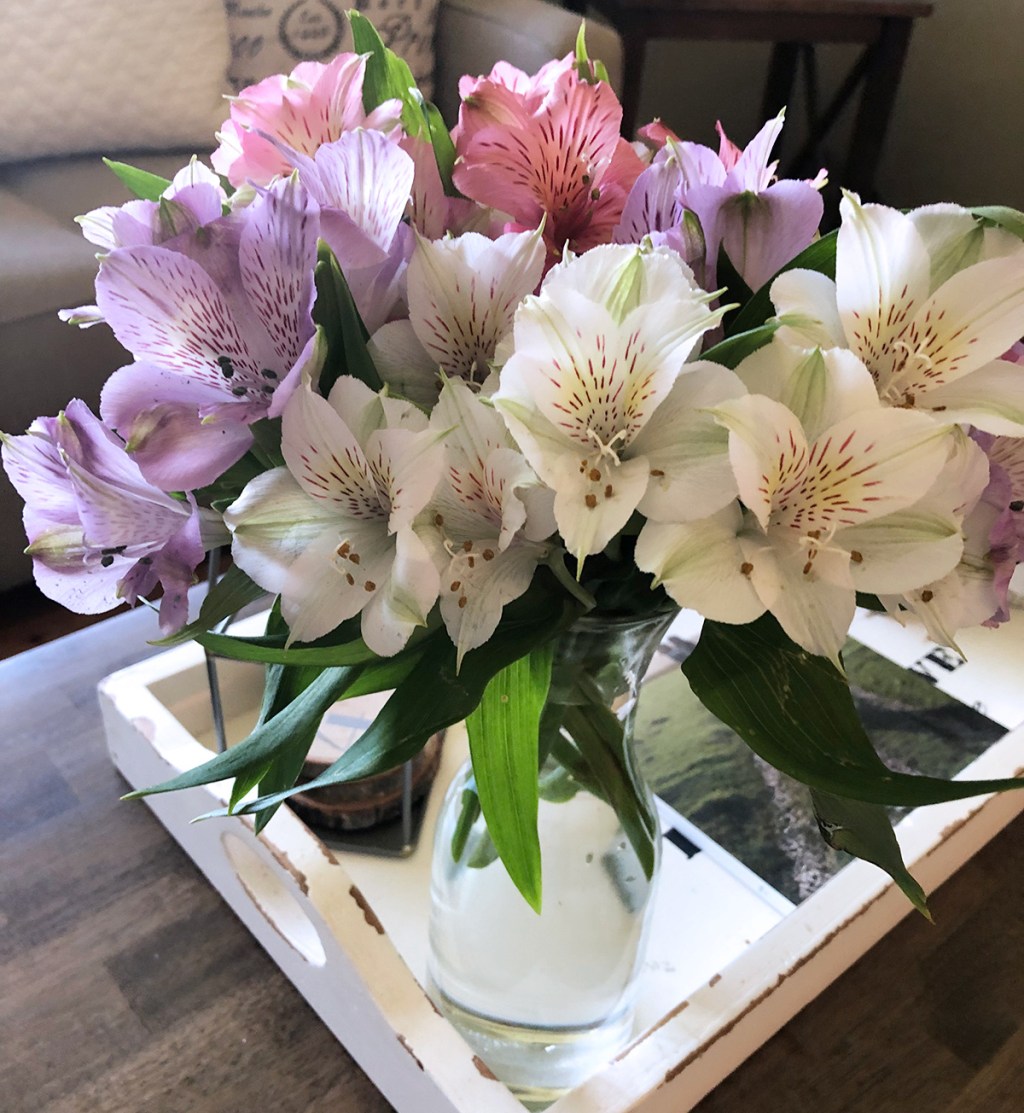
(46, 265)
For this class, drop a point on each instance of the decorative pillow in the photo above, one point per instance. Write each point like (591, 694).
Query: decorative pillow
(106, 76)
(273, 36)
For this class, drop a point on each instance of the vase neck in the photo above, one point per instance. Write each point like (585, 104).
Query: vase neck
(611, 652)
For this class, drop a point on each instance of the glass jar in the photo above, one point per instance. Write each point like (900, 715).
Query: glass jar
(546, 999)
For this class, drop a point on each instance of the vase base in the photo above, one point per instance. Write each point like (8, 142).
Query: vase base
(538, 1064)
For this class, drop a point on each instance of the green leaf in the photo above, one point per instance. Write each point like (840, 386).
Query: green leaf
(600, 739)
(267, 442)
(335, 312)
(284, 769)
(795, 710)
(819, 256)
(732, 351)
(388, 77)
(244, 783)
(270, 649)
(589, 70)
(224, 490)
(503, 733)
(282, 685)
(145, 186)
(233, 591)
(1010, 219)
(434, 695)
(339, 647)
(268, 739)
(864, 830)
(469, 813)
(444, 148)
(557, 784)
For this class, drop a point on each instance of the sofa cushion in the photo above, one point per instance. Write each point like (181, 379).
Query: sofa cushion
(46, 263)
(101, 75)
(68, 187)
(273, 36)
(43, 263)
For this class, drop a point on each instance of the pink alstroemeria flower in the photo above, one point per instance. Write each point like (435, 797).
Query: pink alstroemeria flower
(313, 105)
(761, 223)
(546, 149)
(219, 324)
(98, 533)
(431, 211)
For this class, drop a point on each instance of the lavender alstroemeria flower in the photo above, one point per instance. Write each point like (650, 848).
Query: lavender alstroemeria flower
(362, 183)
(219, 322)
(1001, 508)
(194, 198)
(760, 222)
(98, 533)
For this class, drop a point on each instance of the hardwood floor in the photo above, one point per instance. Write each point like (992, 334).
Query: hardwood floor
(28, 619)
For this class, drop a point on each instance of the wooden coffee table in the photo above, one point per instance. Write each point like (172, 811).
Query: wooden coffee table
(795, 27)
(128, 986)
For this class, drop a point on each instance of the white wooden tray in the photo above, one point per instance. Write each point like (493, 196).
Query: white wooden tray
(727, 966)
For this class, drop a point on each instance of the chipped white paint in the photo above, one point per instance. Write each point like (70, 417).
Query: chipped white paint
(368, 916)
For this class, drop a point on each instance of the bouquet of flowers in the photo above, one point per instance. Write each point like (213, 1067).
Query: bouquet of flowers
(444, 393)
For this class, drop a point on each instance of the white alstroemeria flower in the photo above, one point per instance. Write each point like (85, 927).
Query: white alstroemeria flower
(828, 489)
(601, 401)
(974, 592)
(489, 518)
(332, 533)
(929, 302)
(462, 293)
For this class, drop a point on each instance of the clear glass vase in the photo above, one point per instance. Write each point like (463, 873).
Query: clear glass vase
(546, 999)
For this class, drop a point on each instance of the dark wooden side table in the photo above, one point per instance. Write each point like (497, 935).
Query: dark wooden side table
(128, 986)
(795, 27)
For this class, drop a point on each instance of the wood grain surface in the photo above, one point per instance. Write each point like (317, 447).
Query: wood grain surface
(128, 986)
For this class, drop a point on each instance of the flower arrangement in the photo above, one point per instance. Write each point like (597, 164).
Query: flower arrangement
(444, 393)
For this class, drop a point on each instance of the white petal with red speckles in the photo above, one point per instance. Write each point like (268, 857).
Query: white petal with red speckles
(685, 448)
(815, 609)
(882, 280)
(819, 387)
(699, 564)
(972, 319)
(473, 596)
(903, 551)
(326, 458)
(463, 294)
(407, 466)
(405, 599)
(864, 466)
(273, 521)
(806, 303)
(323, 587)
(990, 398)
